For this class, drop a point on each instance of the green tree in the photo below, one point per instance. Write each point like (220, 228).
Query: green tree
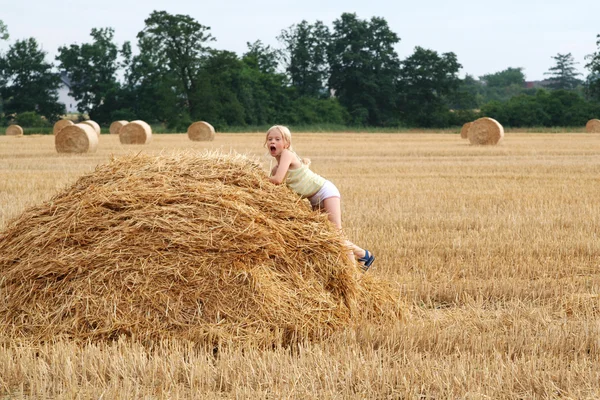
(152, 88)
(503, 85)
(565, 107)
(495, 109)
(563, 74)
(468, 95)
(593, 79)
(263, 92)
(505, 78)
(264, 58)
(30, 84)
(179, 42)
(427, 79)
(3, 31)
(31, 119)
(92, 68)
(545, 108)
(3, 36)
(310, 111)
(306, 57)
(218, 85)
(528, 111)
(364, 69)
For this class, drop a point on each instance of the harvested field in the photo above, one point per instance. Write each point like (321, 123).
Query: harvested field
(494, 249)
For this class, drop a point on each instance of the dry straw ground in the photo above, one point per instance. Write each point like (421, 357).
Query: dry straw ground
(496, 250)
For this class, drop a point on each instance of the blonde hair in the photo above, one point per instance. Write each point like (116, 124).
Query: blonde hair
(287, 138)
(285, 133)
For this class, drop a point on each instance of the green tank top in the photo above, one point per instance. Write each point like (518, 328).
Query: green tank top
(304, 181)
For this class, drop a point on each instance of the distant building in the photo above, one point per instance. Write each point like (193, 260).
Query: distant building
(536, 84)
(64, 96)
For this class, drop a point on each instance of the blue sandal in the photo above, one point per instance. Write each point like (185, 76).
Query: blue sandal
(367, 260)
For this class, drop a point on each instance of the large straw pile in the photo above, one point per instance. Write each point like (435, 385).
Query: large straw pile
(135, 132)
(94, 125)
(14, 130)
(464, 132)
(201, 131)
(61, 123)
(593, 126)
(116, 126)
(196, 246)
(78, 138)
(485, 131)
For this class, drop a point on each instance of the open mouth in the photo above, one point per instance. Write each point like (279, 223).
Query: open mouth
(272, 148)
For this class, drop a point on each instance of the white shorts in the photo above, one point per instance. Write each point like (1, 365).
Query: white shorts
(327, 190)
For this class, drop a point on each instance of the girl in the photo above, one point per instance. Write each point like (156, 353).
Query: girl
(294, 172)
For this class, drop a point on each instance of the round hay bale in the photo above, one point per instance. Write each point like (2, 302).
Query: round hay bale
(593, 126)
(78, 138)
(135, 132)
(61, 123)
(201, 131)
(194, 246)
(485, 131)
(464, 132)
(94, 125)
(14, 130)
(116, 126)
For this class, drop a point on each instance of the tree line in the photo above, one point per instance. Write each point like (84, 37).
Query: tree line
(348, 74)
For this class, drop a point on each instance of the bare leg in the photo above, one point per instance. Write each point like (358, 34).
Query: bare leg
(332, 206)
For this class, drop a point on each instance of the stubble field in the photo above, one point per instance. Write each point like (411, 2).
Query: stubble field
(495, 250)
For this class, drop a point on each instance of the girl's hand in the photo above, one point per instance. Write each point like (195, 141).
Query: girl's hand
(306, 161)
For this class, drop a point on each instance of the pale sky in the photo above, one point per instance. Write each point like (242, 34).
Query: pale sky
(486, 36)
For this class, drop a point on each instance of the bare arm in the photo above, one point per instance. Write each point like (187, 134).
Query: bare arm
(279, 172)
